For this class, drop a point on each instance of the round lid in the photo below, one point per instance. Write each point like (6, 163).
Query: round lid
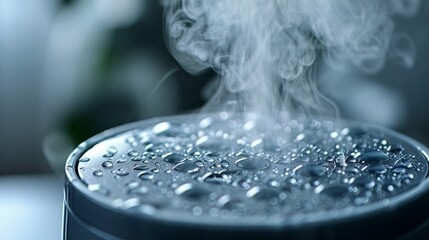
(240, 172)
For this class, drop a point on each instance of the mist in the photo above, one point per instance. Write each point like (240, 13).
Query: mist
(265, 52)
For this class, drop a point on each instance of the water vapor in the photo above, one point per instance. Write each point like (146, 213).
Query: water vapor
(262, 50)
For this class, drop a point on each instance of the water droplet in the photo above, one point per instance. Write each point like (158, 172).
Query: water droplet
(97, 173)
(161, 127)
(153, 148)
(351, 159)
(408, 176)
(216, 178)
(108, 155)
(197, 211)
(361, 200)
(84, 159)
(300, 137)
(390, 188)
(121, 172)
(121, 160)
(173, 158)
(396, 148)
(399, 170)
(226, 202)
(140, 190)
(112, 150)
(273, 183)
(306, 150)
(404, 163)
(206, 122)
(107, 164)
(224, 164)
(137, 159)
(253, 163)
(191, 191)
(168, 129)
(351, 169)
(263, 194)
(223, 200)
(186, 167)
(132, 153)
(141, 167)
(256, 143)
(145, 175)
(132, 184)
(334, 134)
(376, 168)
(373, 157)
(199, 163)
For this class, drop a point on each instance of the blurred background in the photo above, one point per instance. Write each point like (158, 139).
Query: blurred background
(72, 68)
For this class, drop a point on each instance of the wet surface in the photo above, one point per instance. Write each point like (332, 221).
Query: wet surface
(250, 169)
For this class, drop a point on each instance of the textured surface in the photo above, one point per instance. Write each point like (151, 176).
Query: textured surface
(229, 168)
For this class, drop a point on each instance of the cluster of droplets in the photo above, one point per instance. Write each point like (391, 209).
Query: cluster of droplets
(220, 167)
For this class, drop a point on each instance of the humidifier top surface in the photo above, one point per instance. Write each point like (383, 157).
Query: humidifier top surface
(248, 169)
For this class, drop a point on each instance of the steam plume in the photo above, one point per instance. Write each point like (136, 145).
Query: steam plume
(261, 49)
